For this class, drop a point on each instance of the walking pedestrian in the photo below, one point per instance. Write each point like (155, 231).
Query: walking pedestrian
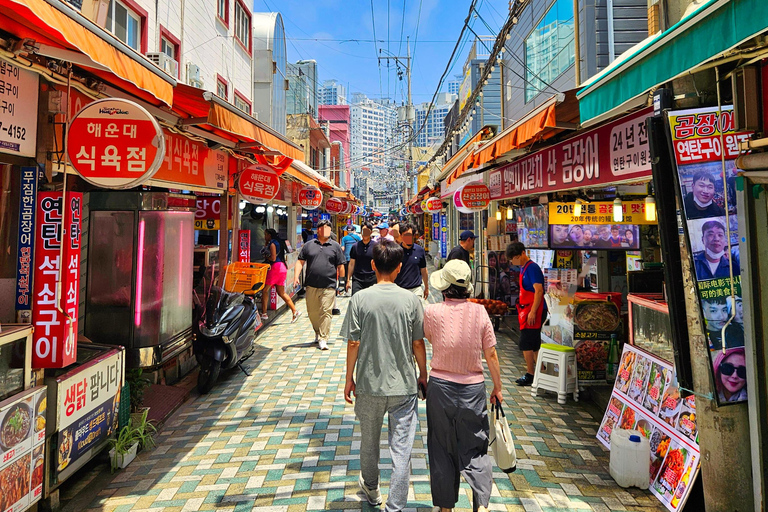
(361, 274)
(384, 329)
(464, 249)
(457, 418)
(384, 233)
(324, 260)
(276, 274)
(413, 275)
(531, 308)
(348, 241)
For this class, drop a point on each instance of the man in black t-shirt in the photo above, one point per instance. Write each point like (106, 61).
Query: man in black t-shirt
(464, 249)
(361, 274)
(413, 274)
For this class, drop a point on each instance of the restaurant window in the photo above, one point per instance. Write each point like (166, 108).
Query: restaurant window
(549, 48)
(243, 25)
(222, 10)
(241, 103)
(125, 23)
(221, 88)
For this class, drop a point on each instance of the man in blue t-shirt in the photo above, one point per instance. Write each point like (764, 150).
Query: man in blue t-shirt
(413, 274)
(347, 243)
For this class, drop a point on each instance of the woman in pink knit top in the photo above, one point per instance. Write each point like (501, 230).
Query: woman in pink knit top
(457, 417)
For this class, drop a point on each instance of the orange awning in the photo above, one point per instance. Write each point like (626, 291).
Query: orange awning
(49, 25)
(207, 111)
(518, 136)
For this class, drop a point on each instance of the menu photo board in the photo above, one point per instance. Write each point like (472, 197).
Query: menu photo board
(646, 397)
(22, 439)
(87, 409)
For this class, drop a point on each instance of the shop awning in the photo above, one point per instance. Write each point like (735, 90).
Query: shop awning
(51, 23)
(206, 110)
(463, 158)
(704, 35)
(305, 174)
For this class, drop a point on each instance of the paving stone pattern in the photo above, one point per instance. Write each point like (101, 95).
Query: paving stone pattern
(285, 440)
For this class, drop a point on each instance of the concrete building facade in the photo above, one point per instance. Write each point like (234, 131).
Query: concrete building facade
(332, 92)
(337, 120)
(270, 79)
(373, 127)
(303, 88)
(434, 130)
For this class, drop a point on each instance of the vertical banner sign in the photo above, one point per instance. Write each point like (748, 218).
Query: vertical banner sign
(55, 316)
(26, 237)
(443, 236)
(708, 196)
(436, 226)
(245, 246)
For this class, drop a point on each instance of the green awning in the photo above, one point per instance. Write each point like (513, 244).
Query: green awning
(716, 27)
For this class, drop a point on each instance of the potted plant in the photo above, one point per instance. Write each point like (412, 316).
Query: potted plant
(139, 433)
(137, 384)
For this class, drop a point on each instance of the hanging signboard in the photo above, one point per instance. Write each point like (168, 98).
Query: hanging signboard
(55, 318)
(18, 110)
(436, 226)
(244, 252)
(614, 153)
(598, 212)
(433, 205)
(27, 209)
(443, 236)
(192, 163)
(258, 184)
(115, 143)
(708, 196)
(310, 198)
(472, 197)
(22, 457)
(646, 397)
(334, 206)
(88, 401)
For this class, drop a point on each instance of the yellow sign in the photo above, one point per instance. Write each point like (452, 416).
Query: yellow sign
(208, 224)
(597, 212)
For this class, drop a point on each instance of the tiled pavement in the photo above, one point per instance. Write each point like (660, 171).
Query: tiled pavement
(284, 440)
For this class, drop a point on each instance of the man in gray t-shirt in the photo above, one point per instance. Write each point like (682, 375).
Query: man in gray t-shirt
(384, 327)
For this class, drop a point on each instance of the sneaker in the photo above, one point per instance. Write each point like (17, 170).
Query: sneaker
(335, 311)
(323, 344)
(296, 316)
(265, 316)
(372, 495)
(317, 338)
(525, 380)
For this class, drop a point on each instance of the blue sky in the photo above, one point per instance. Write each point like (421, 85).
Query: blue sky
(321, 30)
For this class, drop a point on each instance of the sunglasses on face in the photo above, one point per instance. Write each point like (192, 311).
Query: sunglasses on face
(728, 369)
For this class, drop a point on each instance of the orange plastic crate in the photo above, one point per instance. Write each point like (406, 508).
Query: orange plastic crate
(241, 277)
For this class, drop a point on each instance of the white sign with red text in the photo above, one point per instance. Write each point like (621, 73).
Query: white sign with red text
(335, 206)
(115, 143)
(258, 184)
(18, 110)
(310, 198)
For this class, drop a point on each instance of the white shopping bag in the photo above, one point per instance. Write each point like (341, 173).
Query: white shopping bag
(501, 444)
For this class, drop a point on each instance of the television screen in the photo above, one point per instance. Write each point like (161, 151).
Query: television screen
(532, 226)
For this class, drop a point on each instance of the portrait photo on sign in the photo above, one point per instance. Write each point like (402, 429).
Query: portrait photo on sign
(532, 226)
(730, 374)
(712, 255)
(716, 312)
(594, 236)
(704, 192)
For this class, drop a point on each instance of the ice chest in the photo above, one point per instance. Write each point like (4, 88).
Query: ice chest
(630, 458)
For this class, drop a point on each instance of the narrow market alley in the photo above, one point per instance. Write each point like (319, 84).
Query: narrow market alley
(283, 439)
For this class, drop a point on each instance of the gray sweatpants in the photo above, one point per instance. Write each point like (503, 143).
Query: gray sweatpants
(457, 442)
(402, 422)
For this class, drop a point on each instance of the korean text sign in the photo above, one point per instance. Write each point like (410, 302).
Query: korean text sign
(55, 303)
(115, 143)
(616, 152)
(598, 212)
(310, 198)
(258, 184)
(87, 406)
(18, 110)
(27, 209)
(244, 249)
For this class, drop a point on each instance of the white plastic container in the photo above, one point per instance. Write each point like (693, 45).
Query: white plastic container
(630, 458)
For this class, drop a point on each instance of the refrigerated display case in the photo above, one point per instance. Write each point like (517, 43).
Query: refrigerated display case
(649, 325)
(15, 359)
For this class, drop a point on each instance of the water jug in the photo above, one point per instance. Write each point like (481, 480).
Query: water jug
(630, 458)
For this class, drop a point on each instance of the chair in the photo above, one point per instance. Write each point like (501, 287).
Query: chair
(550, 375)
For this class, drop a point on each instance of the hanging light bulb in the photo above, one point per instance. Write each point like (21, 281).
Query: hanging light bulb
(498, 215)
(650, 209)
(618, 213)
(481, 95)
(493, 68)
(485, 82)
(270, 209)
(509, 213)
(577, 208)
(260, 209)
(474, 112)
(503, 49)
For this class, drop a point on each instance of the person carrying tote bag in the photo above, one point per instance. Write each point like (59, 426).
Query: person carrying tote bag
(501, 444)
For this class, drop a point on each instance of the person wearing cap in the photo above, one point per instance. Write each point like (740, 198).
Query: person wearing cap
(531, 308)
(461, 334)
(324, 261)
(385, 346)
(413, 275)
(384, 233)
(464, 249)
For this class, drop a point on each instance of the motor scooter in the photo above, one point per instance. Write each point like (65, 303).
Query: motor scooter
(225, 329)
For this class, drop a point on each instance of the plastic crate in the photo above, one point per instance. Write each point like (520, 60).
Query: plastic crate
(241, 277)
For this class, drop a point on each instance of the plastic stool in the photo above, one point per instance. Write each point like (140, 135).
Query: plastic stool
(550, 375)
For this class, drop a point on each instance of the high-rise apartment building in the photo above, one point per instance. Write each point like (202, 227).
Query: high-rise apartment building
(373, 134)
(434, 130)
(454, 85)
(333, 93)
(303, 88)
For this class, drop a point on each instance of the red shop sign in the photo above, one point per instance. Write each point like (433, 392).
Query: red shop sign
(334, 205)
(55, 337)
(475, 196)
(433, 205)
(258, 184)
(115, 143)
(245, 246)
(310, 198)
(614, 153)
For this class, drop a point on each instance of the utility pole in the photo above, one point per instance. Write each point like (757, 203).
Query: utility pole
(409, 111)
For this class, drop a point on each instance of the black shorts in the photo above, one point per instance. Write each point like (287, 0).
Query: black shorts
(530, 339)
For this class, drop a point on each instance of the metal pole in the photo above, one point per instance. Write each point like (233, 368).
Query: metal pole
(576, 42)
(408, 111)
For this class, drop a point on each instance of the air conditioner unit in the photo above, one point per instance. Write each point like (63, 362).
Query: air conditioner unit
(165, 63)
(193, 76)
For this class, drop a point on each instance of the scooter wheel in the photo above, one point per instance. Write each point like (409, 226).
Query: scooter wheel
(209, 374)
